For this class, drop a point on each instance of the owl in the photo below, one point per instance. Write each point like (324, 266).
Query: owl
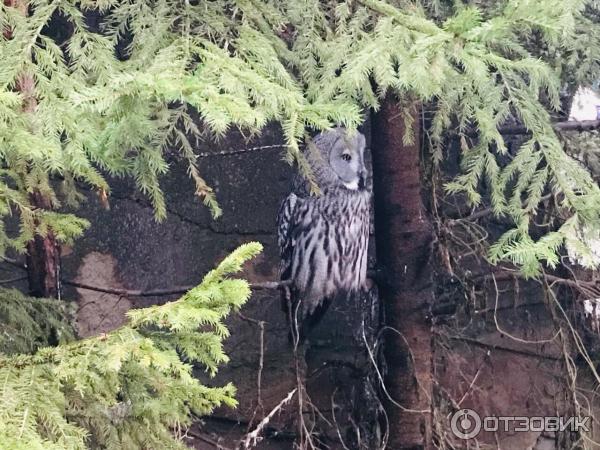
(323, 238)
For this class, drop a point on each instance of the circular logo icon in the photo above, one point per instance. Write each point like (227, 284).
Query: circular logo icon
(465, 424)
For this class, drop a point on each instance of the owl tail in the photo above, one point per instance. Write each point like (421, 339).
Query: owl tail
(300, 321)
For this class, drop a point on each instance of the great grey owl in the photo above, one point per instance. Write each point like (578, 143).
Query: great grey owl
(323, 238)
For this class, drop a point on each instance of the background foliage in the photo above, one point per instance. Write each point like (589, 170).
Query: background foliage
(28, 324)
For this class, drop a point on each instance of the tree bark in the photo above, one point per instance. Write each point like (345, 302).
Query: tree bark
(404, 236)
(43, 258)
(43, 252)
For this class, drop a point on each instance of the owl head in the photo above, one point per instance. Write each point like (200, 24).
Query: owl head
(341, 159)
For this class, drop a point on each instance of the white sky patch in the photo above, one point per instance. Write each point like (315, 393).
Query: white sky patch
(591, 309)
(584, 106)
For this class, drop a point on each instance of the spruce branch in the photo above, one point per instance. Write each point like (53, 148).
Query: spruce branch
(131, 386)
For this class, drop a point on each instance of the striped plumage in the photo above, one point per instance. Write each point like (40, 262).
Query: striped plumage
(323, 239)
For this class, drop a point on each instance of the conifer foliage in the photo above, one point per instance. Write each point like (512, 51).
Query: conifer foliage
(28, 324)
(116, 96)
(126, 82)
(129, 389)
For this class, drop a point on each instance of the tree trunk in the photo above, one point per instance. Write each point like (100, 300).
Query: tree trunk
(43, 258)
(404, 241)
(43, 252)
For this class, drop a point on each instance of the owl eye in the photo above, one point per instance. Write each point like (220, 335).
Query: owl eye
(346, 157)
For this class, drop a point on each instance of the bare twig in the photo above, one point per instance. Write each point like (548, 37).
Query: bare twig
(486, 212)
(165, 292)
(571, 125)
(270, 285)
(241, 150)
(380, 375)
(13, 280)
(13, 262)
(589, 289)
(206, 439)
(253, 438)
(261, 363)
(337, 427)
(507, 333)
(130, 292)
(474, 380)
(501, 348)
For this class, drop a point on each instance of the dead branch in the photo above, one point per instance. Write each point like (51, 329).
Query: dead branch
(371, 353)
(13, 280)
(241, 150)
(129, 292)
(206, 439)
(252, 439)
(270, 285)
(337, 427)
(261, 363)
(570, 125)
(165, 292)
(474, 380)
(589, 289)
(515, 351)
(13, 262)
(485, 212)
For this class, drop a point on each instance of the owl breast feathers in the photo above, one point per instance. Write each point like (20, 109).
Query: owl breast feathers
(323, 238)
